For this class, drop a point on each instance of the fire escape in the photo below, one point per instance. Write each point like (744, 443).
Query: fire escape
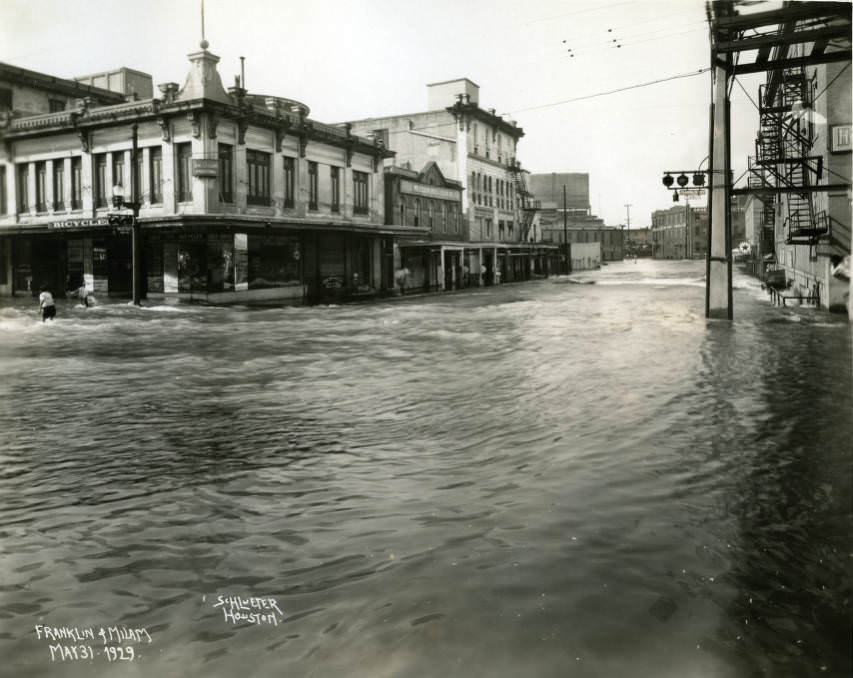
(527, 205)
(783, 153)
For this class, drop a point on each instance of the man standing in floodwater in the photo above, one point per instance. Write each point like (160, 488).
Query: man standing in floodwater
(48, 309)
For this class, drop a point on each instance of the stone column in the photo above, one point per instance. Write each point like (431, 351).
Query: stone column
(31, 188)
(302, 191)
(145, 179)
(347, 193)
(241, 181)
(87, 183)
(11, 189)
(167, 174)
(277, 178)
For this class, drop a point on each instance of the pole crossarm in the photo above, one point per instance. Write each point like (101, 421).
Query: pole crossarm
(811, 60)
(788, 189)
(794, 12)
(777, 39)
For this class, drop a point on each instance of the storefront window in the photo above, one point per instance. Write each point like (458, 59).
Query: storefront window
(273, 261)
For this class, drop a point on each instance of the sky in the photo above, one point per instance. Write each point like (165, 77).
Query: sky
(352, 59)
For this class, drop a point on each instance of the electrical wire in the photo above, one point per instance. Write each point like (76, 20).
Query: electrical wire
(747, 93)
(614, 91)
(580, 11)
(829, 84)
(840, 176)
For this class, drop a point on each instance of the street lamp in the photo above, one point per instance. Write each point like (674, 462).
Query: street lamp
(123, 218)
(118, 196)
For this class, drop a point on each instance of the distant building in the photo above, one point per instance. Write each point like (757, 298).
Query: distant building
(638, 242)
(24, 92)
(126, 81)
(431, 206)
(585, 256)
(681, 232)
(581, 225)
(477, 148)
(548, 188)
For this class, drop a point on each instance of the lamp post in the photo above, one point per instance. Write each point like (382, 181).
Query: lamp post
(565, 234)
(124, 219)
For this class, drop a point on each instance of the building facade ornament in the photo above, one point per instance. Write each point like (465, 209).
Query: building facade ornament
(164, 128)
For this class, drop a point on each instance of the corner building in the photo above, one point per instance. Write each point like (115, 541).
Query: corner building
(241, 196)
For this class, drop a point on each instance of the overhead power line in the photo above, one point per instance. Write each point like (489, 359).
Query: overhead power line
(614, 91)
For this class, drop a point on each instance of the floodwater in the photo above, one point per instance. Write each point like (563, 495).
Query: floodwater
(542, 479)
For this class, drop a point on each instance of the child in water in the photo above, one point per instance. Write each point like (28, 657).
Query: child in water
(48, 308)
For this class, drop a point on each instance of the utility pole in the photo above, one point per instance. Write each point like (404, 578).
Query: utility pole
(565, 232)
(628, 219)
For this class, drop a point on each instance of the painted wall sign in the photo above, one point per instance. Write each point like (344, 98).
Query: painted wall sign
(77, 223)
(205, 167)
(429, 191)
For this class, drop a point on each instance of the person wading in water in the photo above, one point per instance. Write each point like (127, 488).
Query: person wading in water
(48, 309)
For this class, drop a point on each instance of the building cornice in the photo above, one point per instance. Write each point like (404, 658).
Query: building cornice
(473, 111)
(86, 119)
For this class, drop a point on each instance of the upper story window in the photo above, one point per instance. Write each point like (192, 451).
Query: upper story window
(100, 180)
(155, 169)
(56, 105)
(258, 174)
(360, 192)
(336, 188)
(5, 98)
(184, 156)
(226, 173)
(289, 180)
(313, 188)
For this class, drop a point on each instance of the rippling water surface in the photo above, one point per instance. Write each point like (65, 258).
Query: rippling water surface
(545, 479)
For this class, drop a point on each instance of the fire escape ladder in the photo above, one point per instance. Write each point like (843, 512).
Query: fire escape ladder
(526, 203)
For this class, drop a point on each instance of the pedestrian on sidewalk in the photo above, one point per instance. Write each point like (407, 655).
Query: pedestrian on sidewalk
(46, 304)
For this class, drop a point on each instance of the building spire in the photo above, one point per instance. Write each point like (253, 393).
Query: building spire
(204, 43)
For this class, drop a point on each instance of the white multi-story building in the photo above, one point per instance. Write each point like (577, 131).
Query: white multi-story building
(238, 195)
(477, 148)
